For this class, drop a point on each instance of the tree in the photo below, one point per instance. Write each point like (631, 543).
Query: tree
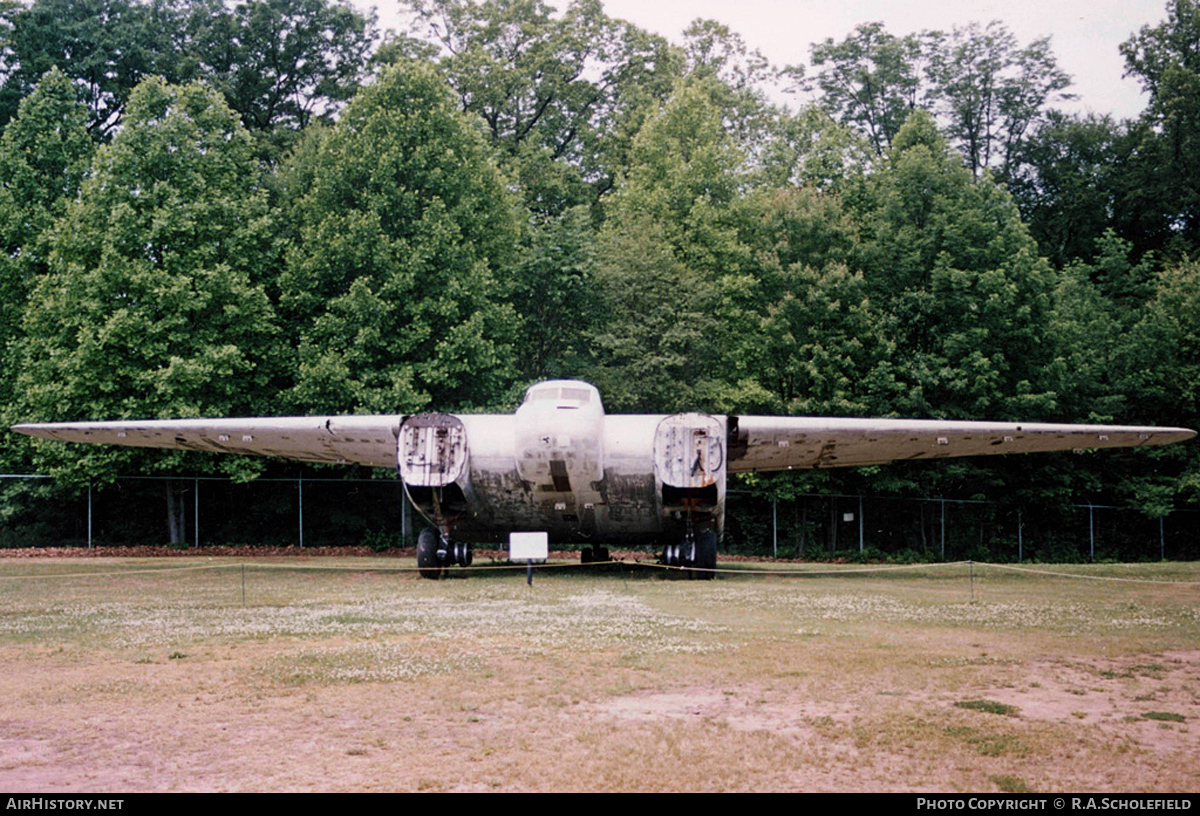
(673, 271)
(1164, 369)
(149, 308)
(561, 95)
(1153, 51)
(966, 293)
(822, 350)
(991, 92)
(988, 93)
(555, 295)
(871, 80)
(1065, 181)
(45, 154)
(280, 63)
(106, 46)
(737, 77)
(810, 148)
(392, 282)
(1163, 188)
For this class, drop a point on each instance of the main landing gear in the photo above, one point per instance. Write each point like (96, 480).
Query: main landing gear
(593, 555)
(697, 553)
(436, 552)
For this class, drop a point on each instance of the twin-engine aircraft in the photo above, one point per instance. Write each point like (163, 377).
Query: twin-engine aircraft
(563, 466)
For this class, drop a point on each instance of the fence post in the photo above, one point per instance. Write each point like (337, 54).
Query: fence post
(860, 526)
(943, 501)
(1020, 540)
(1092, 532)
(196, 513)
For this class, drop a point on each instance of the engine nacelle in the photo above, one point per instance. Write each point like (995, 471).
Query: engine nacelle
(432, 450)
(690, 463)
(689, 451)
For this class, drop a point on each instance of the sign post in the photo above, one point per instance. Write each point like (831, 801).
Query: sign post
(528, 547)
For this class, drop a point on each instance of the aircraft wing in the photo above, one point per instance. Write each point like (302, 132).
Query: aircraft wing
(784, 443)
(361, 440)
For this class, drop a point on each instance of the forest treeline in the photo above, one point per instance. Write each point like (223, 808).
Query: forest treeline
(269, 207)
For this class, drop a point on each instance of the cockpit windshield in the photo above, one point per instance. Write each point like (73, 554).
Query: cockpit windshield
(581, 396)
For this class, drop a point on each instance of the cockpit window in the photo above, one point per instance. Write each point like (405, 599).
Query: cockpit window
(577, 394)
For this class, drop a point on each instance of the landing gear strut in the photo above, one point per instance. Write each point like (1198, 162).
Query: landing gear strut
(697, 553)
(593, 555)
(436, 552)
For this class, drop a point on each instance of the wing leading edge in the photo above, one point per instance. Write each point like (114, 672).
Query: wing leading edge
(755, 442)
(360, 440)
(783, 443)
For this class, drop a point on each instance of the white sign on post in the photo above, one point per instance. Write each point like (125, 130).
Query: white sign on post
(528, 546)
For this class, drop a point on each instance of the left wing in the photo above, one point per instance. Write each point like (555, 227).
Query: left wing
(785, 443)
(360, 440)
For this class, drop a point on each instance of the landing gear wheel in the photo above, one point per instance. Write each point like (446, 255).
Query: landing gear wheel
(585, 555)
(600, 555)
(427, 557)
(706, 556)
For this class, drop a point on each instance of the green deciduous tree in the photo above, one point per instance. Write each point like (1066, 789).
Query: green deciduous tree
(1163, 175)
(991, 92)
(106, 46)
(150, 307)
(45, 154)
(673, 271)
(822, 350)
(280, 63)
(871, 80)
(811, 149)
(964, 290)
(555, 295)
(561, 94)
(1162, 370)
(391, 282)
(1065, 181)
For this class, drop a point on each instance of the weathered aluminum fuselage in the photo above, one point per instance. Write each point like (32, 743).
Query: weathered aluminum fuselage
(561, 465)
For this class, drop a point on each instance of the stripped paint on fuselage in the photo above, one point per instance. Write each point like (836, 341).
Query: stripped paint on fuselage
(561, 465)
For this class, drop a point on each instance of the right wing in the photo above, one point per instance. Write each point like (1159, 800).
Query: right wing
(786, 443)
(360, 440)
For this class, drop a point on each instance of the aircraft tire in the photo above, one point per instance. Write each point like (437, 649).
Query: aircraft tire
(427, 560)
(706, 555)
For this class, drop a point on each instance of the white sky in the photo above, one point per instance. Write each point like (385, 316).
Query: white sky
(1084, 33)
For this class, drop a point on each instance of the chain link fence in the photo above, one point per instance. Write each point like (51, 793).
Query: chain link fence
(311, 512)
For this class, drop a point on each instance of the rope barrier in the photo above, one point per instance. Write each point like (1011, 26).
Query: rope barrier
(510, 566)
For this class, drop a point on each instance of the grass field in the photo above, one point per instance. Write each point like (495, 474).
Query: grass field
(346, 674)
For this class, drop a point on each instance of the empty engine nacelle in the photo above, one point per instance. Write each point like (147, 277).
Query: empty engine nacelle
(432, 450)
(689, 451)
